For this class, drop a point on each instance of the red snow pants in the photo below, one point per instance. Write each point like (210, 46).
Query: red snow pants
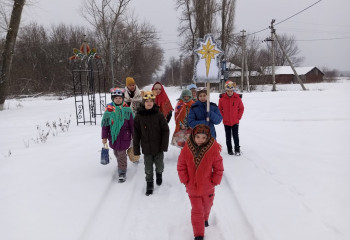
(201, 206)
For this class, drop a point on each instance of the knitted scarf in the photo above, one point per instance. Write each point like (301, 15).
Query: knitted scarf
(114, 116)
(198, 152)
(163, 101)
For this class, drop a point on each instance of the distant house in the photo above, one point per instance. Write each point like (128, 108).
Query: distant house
(285, 74)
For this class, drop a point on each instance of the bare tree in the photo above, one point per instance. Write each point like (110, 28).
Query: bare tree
(330, 74)
(227, 24)
(5, 5)
(253, 52)
(42, 55)
(7, 54)
(197, 18)
(104, 16)
(137, 51)
(291, 48)
(187, 28)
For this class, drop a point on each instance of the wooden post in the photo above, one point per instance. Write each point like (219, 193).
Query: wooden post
(243, 52)
(273, 56)
(208, 101)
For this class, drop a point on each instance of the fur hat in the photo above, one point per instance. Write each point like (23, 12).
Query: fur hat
(129, 81)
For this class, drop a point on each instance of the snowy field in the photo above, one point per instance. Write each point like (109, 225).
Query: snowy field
(291, 183)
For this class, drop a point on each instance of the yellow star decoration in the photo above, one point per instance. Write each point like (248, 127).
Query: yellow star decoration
(208, 52)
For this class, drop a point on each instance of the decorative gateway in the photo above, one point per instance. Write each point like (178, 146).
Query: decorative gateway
(89, 84)
(207, 67)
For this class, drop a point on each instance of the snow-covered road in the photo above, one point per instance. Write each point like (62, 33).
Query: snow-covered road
(290, 183)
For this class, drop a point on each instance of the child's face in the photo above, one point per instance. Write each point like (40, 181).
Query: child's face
(149, 104)
(194, 93)
(132, 87)
(186, 98)
(229, 93)
(118, 100)
(157, 89)
(202, 97)
(200, 138)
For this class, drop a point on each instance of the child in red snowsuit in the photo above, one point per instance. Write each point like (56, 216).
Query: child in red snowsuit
(231, 108)
(200, 168)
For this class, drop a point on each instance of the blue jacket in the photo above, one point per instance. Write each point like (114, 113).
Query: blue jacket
(198, 114)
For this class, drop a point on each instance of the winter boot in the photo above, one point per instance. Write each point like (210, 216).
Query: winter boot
(206, 224)
(121, 178)
(237, 151)
(150, 187)
(198, 238)
(229, 151)
(159, 179)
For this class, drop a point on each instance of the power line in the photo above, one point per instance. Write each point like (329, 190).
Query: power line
(314, 31)
(299, 12)
(321, 39)
(284, 19)
(322, 24)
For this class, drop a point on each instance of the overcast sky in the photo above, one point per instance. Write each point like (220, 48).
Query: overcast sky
(322, 31)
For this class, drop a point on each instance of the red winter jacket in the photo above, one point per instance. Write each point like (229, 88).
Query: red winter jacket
(208, 174)
(231, 108)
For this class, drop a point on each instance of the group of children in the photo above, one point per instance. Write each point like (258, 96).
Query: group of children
(138, 121)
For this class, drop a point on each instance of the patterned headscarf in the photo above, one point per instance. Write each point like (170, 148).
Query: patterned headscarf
(114, 116)
(163, 101)
(199, 151)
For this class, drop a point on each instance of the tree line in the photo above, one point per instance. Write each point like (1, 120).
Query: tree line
(217, 17)
(127, 46)
(40, 57)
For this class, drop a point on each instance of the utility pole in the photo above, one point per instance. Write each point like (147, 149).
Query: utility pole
(243, 56)
(246, 67)
(180, 72)
(273, 55)
(290, 63)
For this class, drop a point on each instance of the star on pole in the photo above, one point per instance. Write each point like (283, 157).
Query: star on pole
(208, 53)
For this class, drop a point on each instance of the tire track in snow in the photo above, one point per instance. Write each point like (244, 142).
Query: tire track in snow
(134, 216)
(238, 225)
(105, 218)
(298, 196)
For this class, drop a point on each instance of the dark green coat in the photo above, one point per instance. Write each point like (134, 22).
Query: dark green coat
(151, 131)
